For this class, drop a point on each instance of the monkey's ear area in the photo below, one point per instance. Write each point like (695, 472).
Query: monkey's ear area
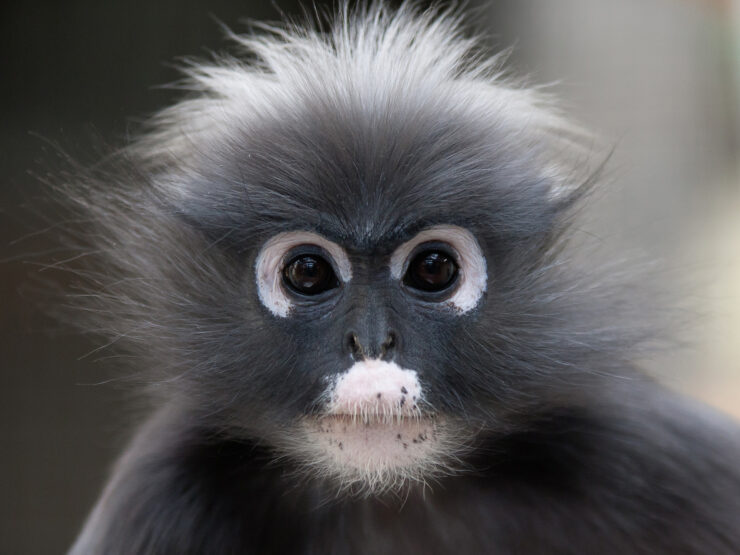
(272, 260)
(472, 274)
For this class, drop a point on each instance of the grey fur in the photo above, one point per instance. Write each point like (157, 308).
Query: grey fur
(367, 135)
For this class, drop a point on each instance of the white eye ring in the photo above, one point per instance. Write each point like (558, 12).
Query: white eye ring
(268, 267)
(472, 269)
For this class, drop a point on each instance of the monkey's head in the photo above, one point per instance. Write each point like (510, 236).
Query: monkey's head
(349, 249)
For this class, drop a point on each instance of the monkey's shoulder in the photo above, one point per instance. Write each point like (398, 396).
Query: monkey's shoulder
(659, 478)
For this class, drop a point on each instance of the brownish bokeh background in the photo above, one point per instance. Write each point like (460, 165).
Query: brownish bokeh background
(657, 78)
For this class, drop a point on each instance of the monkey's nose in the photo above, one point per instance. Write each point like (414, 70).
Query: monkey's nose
(361, 349)
(375, 387)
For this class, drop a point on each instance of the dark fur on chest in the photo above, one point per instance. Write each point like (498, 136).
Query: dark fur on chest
(571, 482)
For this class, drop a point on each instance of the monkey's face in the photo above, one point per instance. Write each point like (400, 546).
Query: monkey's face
(374, 326)
(350, 251)
(383, 274)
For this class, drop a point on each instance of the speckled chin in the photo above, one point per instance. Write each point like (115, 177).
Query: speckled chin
(375, 445)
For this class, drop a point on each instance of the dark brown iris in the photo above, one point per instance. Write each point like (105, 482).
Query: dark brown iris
(309, 274)
(431, 271)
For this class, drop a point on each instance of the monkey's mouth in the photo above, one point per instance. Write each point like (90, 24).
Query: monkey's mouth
(376, 429)
(371, 447)
(365, 429)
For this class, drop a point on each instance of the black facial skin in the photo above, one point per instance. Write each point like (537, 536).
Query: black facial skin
(570, 449)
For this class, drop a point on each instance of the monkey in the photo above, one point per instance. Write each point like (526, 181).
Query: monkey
(341, 264)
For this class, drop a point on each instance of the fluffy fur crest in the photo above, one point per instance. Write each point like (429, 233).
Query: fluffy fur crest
(374, 61)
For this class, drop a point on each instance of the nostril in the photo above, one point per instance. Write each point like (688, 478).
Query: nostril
(352, 343)
(389, 344)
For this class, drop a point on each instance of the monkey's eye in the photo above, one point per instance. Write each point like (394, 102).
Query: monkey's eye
(431, 271)
(309, 274)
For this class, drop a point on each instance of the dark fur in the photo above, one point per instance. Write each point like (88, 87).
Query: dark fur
(571, 449)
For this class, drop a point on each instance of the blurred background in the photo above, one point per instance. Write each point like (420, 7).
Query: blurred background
(658, 79)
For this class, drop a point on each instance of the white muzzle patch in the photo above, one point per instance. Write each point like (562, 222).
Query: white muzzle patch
(374, 434)
(376, 390)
